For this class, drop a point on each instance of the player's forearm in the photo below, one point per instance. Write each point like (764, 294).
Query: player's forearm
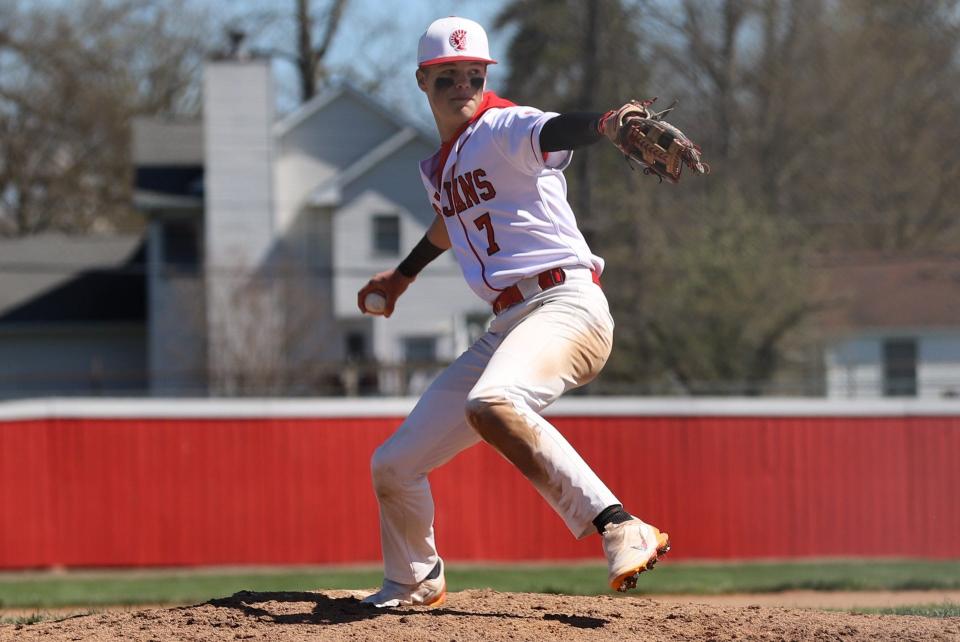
(434, 243)
(437, 234)
(570, 131)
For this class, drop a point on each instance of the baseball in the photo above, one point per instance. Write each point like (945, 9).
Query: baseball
(375, 302)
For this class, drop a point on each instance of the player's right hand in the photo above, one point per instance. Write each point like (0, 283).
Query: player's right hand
(391, 284)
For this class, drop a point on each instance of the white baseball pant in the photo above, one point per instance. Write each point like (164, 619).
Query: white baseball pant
(533, 352)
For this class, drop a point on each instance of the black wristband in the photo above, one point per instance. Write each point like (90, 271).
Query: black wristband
(570, 131)
(419, 257)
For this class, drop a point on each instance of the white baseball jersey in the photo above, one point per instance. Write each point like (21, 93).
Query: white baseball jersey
(503, 200)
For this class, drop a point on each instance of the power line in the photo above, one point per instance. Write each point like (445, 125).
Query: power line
(306, 271)
(189, 269)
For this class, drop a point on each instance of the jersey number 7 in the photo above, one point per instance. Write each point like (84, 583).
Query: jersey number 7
(483, 222)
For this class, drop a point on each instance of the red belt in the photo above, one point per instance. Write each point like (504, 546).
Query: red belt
(546, 280)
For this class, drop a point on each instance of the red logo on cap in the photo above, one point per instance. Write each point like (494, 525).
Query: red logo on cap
(458, 39)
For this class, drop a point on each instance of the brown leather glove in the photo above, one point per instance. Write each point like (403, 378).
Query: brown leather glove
(643, 136)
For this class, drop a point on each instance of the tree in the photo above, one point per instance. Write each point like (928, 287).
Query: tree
(721, 309)
(573, 56)
(707, 286)
(309, 56)
(899, 65)
(802, 97)
(310, 26)
(73, 75)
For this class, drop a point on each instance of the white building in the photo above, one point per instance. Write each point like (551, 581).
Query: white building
(274, 224)
(72, 315)
(895, 330)
(262, 229)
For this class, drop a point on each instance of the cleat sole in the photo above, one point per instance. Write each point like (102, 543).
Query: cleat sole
(663, 544)
(440, 599)
(626, 581)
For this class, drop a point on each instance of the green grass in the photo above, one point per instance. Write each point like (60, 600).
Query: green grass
(34, 618)
(859, 575)
(944, 609)
(25, 619)
(93, 588)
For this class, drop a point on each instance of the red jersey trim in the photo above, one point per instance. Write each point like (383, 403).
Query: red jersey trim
(483, 267)
(466, 232)
(440, 61)
(534, 147)
(490, 101)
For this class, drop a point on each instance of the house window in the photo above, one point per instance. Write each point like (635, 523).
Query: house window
(181, 245)
(420, 349)
(386, 234)
(900, 368)
(356, 346)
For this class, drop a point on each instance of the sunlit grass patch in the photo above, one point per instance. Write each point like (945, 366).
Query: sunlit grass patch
(942, 610)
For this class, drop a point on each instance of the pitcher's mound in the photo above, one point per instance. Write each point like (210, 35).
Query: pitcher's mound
(478, 615)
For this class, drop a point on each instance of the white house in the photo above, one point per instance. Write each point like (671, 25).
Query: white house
(895, 331)
(72, 315)
(261, 231)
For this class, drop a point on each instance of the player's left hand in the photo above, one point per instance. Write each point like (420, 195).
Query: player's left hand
(645, 137)
(391, 284)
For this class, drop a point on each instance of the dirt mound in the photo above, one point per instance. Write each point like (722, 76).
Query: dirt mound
(478, 615)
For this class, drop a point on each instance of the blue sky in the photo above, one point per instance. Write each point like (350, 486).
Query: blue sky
(377, 39)
(398, 46)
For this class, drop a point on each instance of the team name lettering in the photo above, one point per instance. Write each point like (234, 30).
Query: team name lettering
(469, 191)
(457, 199)
(466, 191)
(486, 187)
(448, 211)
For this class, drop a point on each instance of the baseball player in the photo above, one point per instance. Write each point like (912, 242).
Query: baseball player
(498, 190)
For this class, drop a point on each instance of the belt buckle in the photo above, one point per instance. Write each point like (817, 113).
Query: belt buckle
(529, 286)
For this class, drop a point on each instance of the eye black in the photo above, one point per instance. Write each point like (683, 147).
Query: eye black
(443, 82)
(476, 82)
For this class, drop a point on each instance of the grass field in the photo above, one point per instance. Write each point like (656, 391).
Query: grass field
(945, 609)
(99, 588)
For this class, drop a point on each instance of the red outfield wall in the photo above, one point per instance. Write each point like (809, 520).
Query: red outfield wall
(193, 483)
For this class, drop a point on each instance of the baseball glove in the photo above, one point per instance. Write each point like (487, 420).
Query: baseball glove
(644, 137)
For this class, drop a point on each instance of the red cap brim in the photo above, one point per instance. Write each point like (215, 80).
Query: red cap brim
(440, 61)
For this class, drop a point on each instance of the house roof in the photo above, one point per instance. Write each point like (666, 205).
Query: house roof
(168, 161)
(328, 192)
(169, 154)
(167, 141)
(885, 292)
(303, 113)
(168, 187)
(58, 278)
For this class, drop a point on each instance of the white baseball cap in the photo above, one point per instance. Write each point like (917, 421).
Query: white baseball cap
(453, 40)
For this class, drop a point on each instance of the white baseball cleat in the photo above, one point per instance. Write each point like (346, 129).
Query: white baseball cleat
(632, 548)
(426, 593)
